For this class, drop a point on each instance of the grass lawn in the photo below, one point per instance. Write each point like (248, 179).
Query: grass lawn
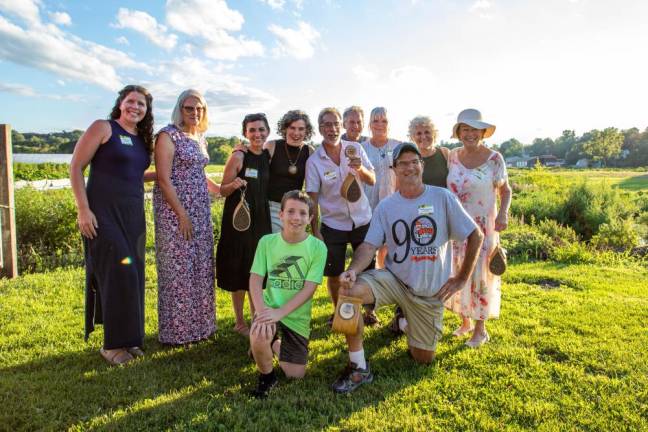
(569, 353)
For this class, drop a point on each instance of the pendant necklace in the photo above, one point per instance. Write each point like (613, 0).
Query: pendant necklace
(292, 169)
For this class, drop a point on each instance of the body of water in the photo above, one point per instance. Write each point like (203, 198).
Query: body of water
(42, 157)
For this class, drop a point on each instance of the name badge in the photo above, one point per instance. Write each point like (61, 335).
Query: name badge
(425, 210)
(330, 175)
(251, 173)
(126, 140)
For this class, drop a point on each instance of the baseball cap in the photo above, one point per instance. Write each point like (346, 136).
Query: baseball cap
(404, 147)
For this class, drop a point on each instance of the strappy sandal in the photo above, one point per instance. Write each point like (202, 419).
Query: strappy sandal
(117, 357)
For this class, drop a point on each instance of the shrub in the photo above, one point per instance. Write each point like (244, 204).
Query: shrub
(46, 228)
(573, 253)
(559, 234)
(524, 242)
(588, 207)
(40, 171)
(618, 235)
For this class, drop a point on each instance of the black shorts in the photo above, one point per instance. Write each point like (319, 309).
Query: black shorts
(336, 242)
(294, 347)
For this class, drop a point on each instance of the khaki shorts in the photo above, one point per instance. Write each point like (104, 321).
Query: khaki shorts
(424, 314)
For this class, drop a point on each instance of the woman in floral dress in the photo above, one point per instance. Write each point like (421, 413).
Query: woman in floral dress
(477, 175)
(184, 238)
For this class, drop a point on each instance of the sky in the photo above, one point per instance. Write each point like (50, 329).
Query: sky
(533, 68)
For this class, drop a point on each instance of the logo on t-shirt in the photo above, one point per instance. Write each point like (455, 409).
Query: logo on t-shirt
(288, 274)
(415, 240)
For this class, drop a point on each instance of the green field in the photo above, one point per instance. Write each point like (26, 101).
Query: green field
(630, 180)
(568, 353)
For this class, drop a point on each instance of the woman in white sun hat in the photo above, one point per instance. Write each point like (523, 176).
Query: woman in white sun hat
(477, 176)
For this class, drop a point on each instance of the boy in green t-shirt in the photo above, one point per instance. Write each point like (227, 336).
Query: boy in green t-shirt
(294, 262)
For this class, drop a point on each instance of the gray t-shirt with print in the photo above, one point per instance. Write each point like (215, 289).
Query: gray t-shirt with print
(417, 233)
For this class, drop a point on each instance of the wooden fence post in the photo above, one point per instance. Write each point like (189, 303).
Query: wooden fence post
(8, 255)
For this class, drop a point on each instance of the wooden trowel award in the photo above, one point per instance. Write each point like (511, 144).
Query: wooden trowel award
(347, 314)
(350, 189)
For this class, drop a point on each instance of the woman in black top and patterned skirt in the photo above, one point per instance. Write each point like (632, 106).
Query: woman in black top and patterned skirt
(246, 173)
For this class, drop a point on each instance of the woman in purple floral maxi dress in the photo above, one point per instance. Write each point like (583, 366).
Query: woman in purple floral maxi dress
(184, 238)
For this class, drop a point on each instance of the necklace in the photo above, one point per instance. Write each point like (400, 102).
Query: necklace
(292, 169)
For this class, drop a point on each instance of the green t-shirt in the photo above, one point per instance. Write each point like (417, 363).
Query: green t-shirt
(288, 265)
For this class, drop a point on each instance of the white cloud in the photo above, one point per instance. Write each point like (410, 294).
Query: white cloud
(47, 47)
(122, 40)
(211, 21)
(364, 73)
(227, 95)
(61, 18)
(27, 91)
(18, 89)
(147, 25)
(298, 43)
(26, 10)
(274, 4)
(480, 5)
(410, 75)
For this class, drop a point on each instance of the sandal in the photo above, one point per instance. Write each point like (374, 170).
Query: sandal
(460, 331)
(135, 351)
(243, 330)
(116, 357)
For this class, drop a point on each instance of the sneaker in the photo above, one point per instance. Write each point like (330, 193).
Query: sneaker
(351, 378)
(370, 318)
(393, 325)
(266, 383)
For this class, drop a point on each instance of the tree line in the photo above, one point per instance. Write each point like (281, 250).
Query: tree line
(610, 146)
(218, 148)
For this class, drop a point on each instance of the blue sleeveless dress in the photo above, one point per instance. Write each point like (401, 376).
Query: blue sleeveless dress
(114, 259)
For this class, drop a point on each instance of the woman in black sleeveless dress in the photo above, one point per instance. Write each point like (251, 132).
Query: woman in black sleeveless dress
(111, 220)
(248, 171)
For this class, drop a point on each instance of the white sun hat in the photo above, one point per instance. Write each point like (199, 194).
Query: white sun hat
(473, 118)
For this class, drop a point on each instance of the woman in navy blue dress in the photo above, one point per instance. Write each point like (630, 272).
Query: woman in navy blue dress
(111, 220)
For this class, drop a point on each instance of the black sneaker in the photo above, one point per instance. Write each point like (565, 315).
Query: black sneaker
(266, 383)
(351, 378)
(393, 325)
(370, 318)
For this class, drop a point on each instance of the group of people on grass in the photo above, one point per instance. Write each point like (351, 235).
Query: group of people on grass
(422, 222)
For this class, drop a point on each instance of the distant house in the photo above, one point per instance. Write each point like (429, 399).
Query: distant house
(545, 160)
(582, 163)
(517, 161)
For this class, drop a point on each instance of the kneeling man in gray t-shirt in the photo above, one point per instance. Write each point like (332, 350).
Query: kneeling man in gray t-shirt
(416, 223)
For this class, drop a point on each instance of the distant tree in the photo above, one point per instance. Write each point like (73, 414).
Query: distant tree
(602, 145)
(17, 137)
(220, 148)
(541, 146)
(564, 143)
(511, 147)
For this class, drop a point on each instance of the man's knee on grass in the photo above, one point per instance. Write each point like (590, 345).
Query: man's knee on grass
(422, 356)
